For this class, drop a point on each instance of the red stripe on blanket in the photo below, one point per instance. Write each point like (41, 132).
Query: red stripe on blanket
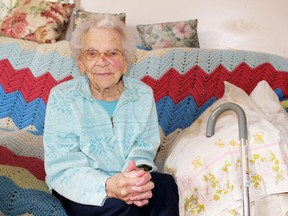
(202, 86)
(23, 80)
(33, 165)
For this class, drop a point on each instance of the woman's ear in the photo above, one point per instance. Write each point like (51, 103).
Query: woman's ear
(80, 66)
(126, 66)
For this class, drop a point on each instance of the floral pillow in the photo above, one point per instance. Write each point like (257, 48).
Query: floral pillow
(169, 34)
(37, 20)
(81, 15)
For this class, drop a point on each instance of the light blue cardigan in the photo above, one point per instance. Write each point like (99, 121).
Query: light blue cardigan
(83, 146)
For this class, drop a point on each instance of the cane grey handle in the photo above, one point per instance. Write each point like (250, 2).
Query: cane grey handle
(242, 127)
(242, 123)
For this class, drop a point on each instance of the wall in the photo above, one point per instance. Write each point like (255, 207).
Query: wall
(257, 25)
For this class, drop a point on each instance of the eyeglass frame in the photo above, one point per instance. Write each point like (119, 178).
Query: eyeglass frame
(84, 53)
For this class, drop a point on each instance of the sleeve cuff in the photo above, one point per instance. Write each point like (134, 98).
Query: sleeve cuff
(145, 167)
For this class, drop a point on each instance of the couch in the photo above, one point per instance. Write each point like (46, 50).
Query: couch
(186, 81)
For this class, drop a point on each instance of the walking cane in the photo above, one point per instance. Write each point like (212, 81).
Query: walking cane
(242, 126)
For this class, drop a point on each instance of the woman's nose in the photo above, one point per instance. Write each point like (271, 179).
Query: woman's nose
(102, 60)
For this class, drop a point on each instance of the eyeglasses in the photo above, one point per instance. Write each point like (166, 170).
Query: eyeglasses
(94, 55)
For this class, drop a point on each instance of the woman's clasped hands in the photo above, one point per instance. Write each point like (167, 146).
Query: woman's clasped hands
(133, 186)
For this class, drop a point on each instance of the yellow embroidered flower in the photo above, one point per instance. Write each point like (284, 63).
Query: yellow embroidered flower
(256, 180)
(220, 143)
(259, 137)
(192, 205)
(197, 163)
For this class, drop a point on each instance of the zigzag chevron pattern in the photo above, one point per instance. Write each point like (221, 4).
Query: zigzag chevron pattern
(23, 97)
(44, 58)
(22, 143)
(173, 116)
(25, 108)
(22, 113)
(28, 72)
(203, 86)
(201, 78)
(24, 81)
(33, 165)
(19, 176)
(179, 98)
(154, 63)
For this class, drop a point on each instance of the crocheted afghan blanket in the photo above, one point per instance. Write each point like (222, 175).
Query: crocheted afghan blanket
(185, 81)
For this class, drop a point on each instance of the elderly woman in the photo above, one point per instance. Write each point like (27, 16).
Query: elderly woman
(101, 132)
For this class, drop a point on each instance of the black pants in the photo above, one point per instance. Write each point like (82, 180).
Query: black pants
(163, 203)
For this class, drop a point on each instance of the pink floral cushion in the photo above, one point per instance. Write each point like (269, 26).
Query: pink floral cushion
(37, 20)
(169, 34)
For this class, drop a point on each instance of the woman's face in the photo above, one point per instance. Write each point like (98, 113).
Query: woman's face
(102, 58)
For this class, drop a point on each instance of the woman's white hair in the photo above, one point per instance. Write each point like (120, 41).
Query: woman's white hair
(108, 21)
